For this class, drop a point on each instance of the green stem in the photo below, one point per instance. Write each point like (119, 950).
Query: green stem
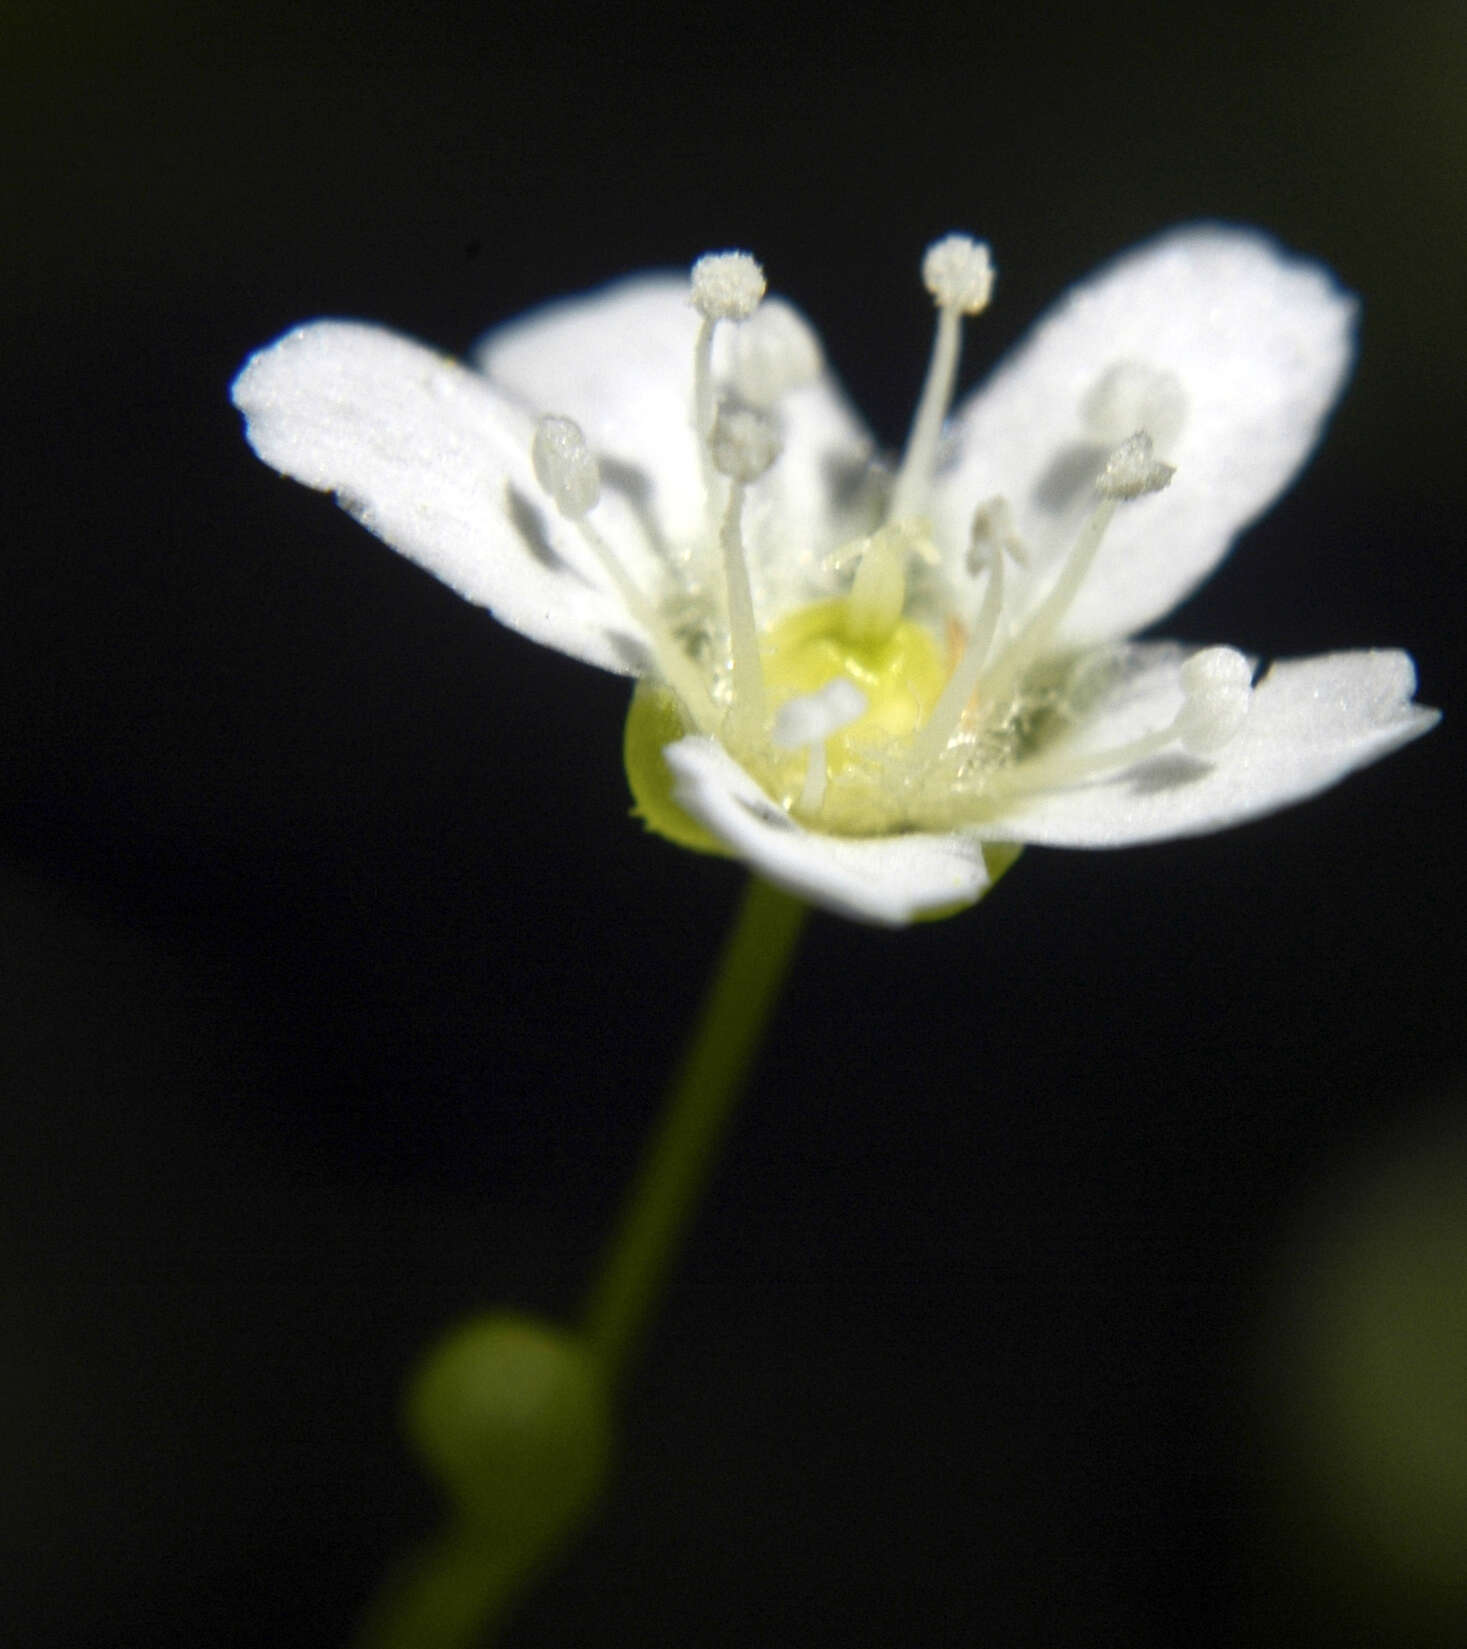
(756, 957)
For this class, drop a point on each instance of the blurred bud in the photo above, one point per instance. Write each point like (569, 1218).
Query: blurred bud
(1365, 1370)
(510, 1416)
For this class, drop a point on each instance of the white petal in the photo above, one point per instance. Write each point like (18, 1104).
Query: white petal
(1261, 345)
(620, 362)
(431, 458)
(1310, 723)
(890, 880)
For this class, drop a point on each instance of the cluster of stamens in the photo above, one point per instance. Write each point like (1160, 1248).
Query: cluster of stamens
(846, 709)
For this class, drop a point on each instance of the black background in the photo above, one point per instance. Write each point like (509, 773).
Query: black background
(338, 988)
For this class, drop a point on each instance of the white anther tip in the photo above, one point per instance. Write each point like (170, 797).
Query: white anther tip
(743, 443)
(813, 717)
(1218, 684)
(958, 271)
(565, 466)
(727, 286)
(1131, 471)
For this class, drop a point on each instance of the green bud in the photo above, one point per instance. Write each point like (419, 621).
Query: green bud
(511, 1417)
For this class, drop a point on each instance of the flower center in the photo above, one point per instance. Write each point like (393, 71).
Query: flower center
(894, 706)
(897, 676)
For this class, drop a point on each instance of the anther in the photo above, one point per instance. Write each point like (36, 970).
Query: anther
(724, 286)
(958, 272)
(727, 286)
(1218, 684)
(1217, 691)
(991, 534)
(742, 445)
(567, 469)
(1132, 470)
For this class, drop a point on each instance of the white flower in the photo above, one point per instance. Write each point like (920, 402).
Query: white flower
(870, 686)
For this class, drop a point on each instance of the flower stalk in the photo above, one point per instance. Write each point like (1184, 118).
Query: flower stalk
(745, 987)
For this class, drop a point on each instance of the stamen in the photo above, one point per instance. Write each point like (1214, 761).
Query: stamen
(809, 721)
(958, 272)
(1130, 472)
(742, 445)
(726, 286)
(1217, 688)
(931, 739)
(565, 466)
(992, 533)
(1218, 683)
(567, 469)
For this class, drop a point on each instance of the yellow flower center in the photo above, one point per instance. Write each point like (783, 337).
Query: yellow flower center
(896, 665)
(901, 675)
